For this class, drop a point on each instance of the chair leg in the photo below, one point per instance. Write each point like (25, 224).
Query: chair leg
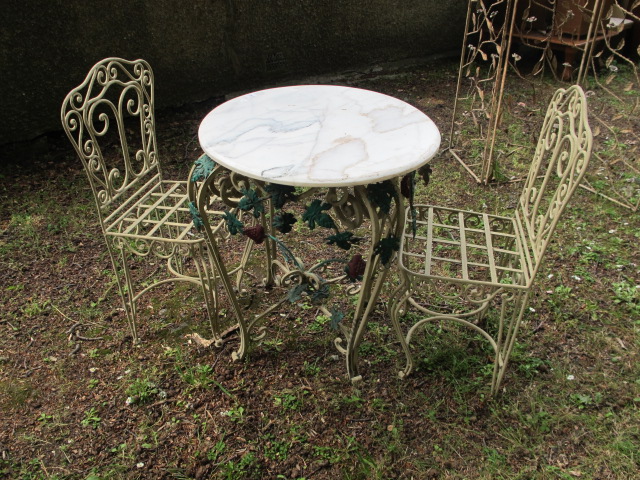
(125, 285)
(507, 332)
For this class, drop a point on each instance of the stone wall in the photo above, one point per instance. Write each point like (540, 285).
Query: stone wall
(203, 48)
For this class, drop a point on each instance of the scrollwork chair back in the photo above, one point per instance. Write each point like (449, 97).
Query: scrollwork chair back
(559, 163)
(109, 119)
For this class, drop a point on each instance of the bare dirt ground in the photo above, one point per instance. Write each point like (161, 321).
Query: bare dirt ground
(79, 400)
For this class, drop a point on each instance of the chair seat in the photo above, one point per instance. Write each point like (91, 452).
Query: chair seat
(157, 212)
(464, 246)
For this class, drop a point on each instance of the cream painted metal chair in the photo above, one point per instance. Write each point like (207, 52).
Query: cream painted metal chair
(459, 262)
(110, 121)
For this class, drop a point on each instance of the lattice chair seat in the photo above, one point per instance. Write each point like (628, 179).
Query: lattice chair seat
(158, 214)
(454, 264)
(110, 121)
(464, 246)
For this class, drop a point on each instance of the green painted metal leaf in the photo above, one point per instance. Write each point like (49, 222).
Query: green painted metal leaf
(408, 190)
(294, 294)
(203, 166)
(336, 318)
(425, 172)
(314, 215)
(320, 294)
(286, 253)
(280, 194)
(381, 195)
(385, 248)
(343, 240)
(234, 225)
(284, 222)
(195, 216)
(251, 201)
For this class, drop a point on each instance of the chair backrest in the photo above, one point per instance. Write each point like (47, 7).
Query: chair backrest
(560, 161)
(109, 119)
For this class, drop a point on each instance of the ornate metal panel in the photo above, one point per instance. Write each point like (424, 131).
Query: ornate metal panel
(560, 162)
(110, 121)
(376, 208)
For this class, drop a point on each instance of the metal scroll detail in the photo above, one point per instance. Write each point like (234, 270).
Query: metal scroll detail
(284, 271)
(559, 164)
(97, 121)
(456, 263)
(586, 41)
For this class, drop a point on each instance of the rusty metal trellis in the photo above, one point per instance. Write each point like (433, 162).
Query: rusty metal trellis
(481, 81)
(616, 173)
(576, 40)
(585, 41)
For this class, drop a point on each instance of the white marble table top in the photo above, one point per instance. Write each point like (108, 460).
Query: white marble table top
(319, 136)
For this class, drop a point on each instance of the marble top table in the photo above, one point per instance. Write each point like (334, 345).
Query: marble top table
(336, 139)
(319, 136)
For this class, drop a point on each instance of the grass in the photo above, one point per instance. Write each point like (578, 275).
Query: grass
(569, 408)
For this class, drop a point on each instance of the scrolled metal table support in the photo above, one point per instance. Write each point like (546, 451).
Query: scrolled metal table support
(383, 225)
(350, 206)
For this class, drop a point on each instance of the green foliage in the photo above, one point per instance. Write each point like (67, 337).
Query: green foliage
(583, 401)
(218, 449)
(236, 414)
(141, 391)
(91, 418)
(247, 467)
(627, 294)
(198, 376)
(288, 401)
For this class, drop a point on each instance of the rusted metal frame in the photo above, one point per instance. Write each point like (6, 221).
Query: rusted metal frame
(498, 92)
(460, 69)
(494, 112)
(592, 33)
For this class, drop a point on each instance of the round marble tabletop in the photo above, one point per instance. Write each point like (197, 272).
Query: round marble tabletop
(319, 136)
